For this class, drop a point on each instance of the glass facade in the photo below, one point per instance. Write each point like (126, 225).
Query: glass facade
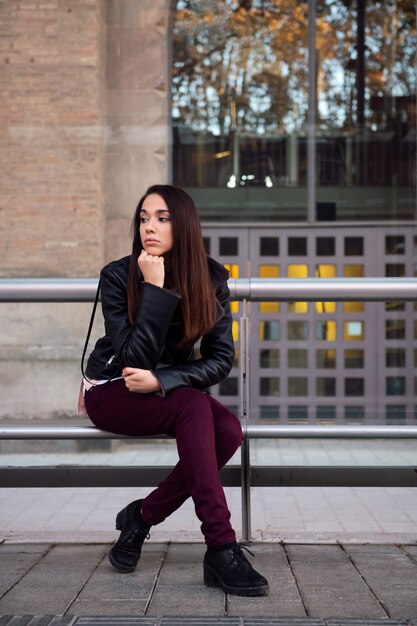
(296, 110)
(294, 129)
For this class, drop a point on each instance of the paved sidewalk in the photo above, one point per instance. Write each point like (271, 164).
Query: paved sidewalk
(290, 514)
(293, 515)
(314, 585)
(333, 556)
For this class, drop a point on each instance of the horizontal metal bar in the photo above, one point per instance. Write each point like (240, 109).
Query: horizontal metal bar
(253, 431)
(348, 476)
(48, 289)
(266, 431)
(62, 432)
(324, 289)
(254, 289)
(97, 476)
(262, 476)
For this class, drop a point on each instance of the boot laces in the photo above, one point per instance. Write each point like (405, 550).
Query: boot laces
(138, 536)
(237, 555)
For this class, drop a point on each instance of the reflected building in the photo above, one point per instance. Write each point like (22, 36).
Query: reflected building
(294, 128)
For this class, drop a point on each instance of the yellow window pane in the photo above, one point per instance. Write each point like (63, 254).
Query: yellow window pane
(325, 271)
(234, 273)
(269, 271)
(325, 307)
(331, 331)
(297, 271)
(353, 307)
(353, 270)
(233, 269)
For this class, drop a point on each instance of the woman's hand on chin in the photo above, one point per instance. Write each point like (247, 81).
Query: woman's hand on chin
(140, 381)
(152, 268)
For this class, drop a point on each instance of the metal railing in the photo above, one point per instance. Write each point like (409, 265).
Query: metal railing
(255, 289)
(245, 290)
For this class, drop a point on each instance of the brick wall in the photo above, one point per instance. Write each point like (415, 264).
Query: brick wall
(52, 218)
(84, 128)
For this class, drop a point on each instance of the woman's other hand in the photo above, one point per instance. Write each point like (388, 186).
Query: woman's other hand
(152, 268)
(140, 381)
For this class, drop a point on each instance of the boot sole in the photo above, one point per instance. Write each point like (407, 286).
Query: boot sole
(212, 579)
(122, 568)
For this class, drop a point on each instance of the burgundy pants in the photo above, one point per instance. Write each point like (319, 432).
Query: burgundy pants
(207, 436)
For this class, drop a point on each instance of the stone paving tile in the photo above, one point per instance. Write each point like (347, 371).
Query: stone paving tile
(110, 608)
(283, 599)
(180, 588)
(108, 591)
(16, 561)
(392, 576)
(183, 565)
(53, 583)
(177, 600)
(329, 584)
(411, 551)
(37, 620)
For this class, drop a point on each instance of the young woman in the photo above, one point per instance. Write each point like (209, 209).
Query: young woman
(142, 379)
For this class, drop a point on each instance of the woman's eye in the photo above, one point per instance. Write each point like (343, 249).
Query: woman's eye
(164, 219)
(143, 220)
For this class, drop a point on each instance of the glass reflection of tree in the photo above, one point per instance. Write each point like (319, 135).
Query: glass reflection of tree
(242, 59)
(247, 60)
(374, 56)
(240, 80)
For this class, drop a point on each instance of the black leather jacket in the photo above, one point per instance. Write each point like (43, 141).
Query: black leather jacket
(151, 343)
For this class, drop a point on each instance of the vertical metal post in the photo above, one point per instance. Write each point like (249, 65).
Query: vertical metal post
(362, 147)
(244, 408)
(311, 114)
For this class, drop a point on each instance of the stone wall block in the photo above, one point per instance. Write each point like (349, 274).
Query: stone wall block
(44, 328)
(125, 12)
(136, 171)
(45, 390)
(41, 348)
(119, 240)
(135, 133)
(135, 58)
(145, 104)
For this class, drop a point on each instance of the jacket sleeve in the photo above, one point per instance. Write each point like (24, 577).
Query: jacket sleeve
(139, 345)
(217, 354)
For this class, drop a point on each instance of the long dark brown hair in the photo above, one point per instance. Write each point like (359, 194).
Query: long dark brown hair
(188, 265)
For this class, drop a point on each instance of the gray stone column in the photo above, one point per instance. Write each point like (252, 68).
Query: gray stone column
(138, 115)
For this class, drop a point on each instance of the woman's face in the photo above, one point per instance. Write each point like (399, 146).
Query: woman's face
(155, 226)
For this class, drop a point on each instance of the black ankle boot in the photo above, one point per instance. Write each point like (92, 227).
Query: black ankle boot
(125, 553)
(231, 570)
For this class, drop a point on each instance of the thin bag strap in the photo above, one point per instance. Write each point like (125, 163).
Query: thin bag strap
(90, 327)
